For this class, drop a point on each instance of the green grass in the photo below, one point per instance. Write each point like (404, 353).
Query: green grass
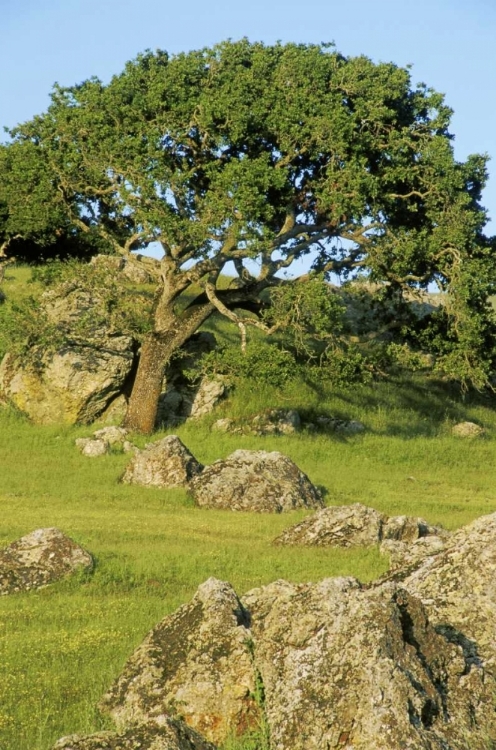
(61, 647)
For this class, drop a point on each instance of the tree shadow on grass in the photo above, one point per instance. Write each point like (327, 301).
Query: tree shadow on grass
(405, 407)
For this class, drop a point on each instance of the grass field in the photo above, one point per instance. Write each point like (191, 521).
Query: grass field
(61, 647)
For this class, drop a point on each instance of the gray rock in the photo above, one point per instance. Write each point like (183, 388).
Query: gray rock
(92, 448)
(458, 588)
(405, 555)
(341, 426)
(255, 481)
(172, 734)
(76, 383)
(341, 526)
(165, 463)
(362, 668)
(355, 525)
(112, 435)
(206, 397)
(276, 422)
(115, 412)
(337, 664)
(468, 430)
(129, 447)
(38, 559)
(197, 662)
(224, 425)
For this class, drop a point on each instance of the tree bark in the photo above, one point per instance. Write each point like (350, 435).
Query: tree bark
(143, 403)
(156, 351)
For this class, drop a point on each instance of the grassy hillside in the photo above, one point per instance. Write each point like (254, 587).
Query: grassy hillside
(62, 646)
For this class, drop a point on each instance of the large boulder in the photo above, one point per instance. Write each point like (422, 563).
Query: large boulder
(353, 667)
(39, 558)
(458, 587)
(172, 734)
(255, 481)
(197, 662)
(334, 665)
(355, 525)
(405, 555)
(165, 463)
(75, 383)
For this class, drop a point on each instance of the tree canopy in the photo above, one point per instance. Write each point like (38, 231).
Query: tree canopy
(259, 156)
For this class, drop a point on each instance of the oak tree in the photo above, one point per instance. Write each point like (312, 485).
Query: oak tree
(259, 157)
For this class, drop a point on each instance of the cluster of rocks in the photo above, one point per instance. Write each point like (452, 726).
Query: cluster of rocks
(405, 539)
(104, 440)
(287, 422)
(336, 664)
(261, 481)
(42, 557)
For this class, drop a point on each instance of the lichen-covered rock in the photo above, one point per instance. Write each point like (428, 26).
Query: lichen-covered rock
(341, 426)
(91, 447)
(342, 526)
(172, 734)
(112, 435)
(468, 430)
(75, 383)
(165, 463)
(355, 525)
(276, 422)
(224, 425)
(349, 667)
(411, 528)
(115, 412)
(406, 554)
(204, 399)
(196, 662)
(39, 558)
(255, 481)
(458, 587)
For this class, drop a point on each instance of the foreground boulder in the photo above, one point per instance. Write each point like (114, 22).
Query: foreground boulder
(172, 734)
(355, 525)
(351, 667)
(165, 463)
(255, 481)
(334, 665)
(458, 587)
(198, 662)
(40, 558)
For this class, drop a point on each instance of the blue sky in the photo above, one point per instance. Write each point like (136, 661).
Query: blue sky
(450, 43)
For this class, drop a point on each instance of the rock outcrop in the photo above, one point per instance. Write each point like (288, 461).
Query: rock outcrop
(172, 734)
(407, 555)
(349, 667)
(165, 463)
(356, 525)
(103, 440)
(334, 664)
(196, 662)
(77, 382)
(38, 559)
(255, 481)
(458, 587)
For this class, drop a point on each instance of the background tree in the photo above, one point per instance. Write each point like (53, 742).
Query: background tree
(259, 156)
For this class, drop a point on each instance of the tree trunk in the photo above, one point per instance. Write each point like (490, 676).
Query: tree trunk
(158, 347)
(143, 403)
